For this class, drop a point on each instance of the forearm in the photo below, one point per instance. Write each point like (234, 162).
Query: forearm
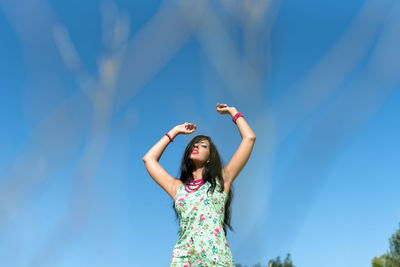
(157, 150)
(244, 129)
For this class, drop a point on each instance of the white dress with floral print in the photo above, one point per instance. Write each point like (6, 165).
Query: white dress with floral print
(202, 239)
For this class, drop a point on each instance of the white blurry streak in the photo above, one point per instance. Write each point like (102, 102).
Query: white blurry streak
(11, 193)
(354, 106)
(73, 61)
(150, 50)
(119, 27)
(76, 217)
(259, 19)
(165, 33)
(299, 101)
(33, 21)
(147, 53)
(24, 13)
(316, 87)
(54, 139)
(116, 32)
(243, 73)
(57, 136)
(226, 58)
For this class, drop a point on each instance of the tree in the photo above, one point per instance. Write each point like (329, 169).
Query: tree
(275, 263)
(278, 263)
(378, 262)
(392, 258)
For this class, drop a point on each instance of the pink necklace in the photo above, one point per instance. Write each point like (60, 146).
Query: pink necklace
(193, 185)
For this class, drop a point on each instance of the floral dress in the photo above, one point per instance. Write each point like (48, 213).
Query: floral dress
(202, 239)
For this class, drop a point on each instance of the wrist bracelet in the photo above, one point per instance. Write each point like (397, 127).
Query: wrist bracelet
(172, 140)
(237, 115)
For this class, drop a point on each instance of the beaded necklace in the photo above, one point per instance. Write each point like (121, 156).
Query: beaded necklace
(193, 185)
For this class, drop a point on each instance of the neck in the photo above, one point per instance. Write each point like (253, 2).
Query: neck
(198, 173)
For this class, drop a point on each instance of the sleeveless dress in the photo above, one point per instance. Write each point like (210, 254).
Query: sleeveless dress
(202, 239)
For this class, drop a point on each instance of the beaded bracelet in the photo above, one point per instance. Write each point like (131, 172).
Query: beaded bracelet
(237, 115)
(172, 140)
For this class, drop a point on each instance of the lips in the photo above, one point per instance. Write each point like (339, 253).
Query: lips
(195, 151)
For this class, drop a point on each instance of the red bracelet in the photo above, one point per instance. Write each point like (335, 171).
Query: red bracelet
(237, 115)
(172, 140)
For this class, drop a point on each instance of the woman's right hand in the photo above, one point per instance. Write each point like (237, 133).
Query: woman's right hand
(186, 128)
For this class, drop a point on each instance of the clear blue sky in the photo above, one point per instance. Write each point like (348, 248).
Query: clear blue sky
(88, 87)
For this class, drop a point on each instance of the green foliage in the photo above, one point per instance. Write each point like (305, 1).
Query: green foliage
(392, 258)
(378, 262)
(275, 263)
(394, 250)
(287, 262)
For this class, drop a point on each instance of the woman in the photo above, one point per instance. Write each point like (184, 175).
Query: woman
(203, 211)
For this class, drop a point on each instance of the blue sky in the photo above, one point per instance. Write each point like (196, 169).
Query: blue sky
(87, 88)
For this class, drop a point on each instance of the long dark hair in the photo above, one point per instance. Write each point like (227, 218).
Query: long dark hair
(211, 172)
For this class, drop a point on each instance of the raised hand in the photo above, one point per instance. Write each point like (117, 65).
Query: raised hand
(186, 128)
(224, 109)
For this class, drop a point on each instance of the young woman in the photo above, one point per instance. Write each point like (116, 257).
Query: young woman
(202, 194)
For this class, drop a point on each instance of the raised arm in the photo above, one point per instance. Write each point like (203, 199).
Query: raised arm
(242, 154)
(155, 170)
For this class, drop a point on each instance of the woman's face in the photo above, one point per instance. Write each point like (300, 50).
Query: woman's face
(201, 151)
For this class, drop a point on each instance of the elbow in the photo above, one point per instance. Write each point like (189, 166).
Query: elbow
(147, 159)
(251, 138)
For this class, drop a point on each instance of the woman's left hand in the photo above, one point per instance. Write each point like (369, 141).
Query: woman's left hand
(224, 109)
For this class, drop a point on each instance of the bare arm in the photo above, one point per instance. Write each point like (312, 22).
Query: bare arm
(155, 170)
(242, 154)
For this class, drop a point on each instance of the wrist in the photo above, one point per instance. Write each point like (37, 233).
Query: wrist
(173, 132)
(236, 116)
(233, 111)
